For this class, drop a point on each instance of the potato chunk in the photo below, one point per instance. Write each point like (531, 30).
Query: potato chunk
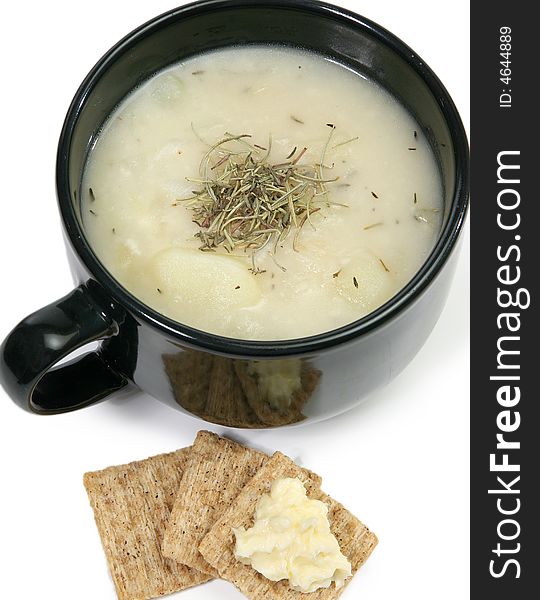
(168, 90)
(204, 283)
(365, 280)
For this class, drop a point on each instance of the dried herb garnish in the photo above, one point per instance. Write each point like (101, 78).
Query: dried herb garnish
(372, 226)
(355, 282)
(415, 198)
(415, 134)
(91, 194)
(113, 229)
(336, 274)
(297, 120)
(385, 267)
(302, 152)
(412, 148)
(159, 291)
(374, 195)
(92, 212)
(346, 142)
(246, 202)
(200, 72)
(291, 153)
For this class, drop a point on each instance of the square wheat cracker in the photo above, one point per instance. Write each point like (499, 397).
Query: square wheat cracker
(226, 403)
(189, 376)
(216, 472)
(132, 504)
(355, 539)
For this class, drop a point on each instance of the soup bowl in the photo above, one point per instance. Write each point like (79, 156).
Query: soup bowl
(212, 377)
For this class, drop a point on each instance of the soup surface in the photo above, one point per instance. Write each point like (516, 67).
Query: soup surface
(325, 207)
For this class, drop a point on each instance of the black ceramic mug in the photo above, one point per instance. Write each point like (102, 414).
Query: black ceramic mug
(213, 377)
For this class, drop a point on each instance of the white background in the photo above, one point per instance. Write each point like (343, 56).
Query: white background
(399, 462)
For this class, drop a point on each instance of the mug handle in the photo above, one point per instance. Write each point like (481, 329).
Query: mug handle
(30, 352)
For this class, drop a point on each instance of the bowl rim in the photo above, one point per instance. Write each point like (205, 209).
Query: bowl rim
(189, 336)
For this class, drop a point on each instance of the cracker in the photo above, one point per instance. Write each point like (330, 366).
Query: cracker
(226, 403)
(268, 414)
(216, 472)
(355, 539)
(132, 504)
(207, 386)
(189, 376)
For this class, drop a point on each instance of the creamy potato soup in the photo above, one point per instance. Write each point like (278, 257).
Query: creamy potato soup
(261, 193)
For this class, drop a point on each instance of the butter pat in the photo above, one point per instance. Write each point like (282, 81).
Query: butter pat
(291, 539)
(278, 380)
